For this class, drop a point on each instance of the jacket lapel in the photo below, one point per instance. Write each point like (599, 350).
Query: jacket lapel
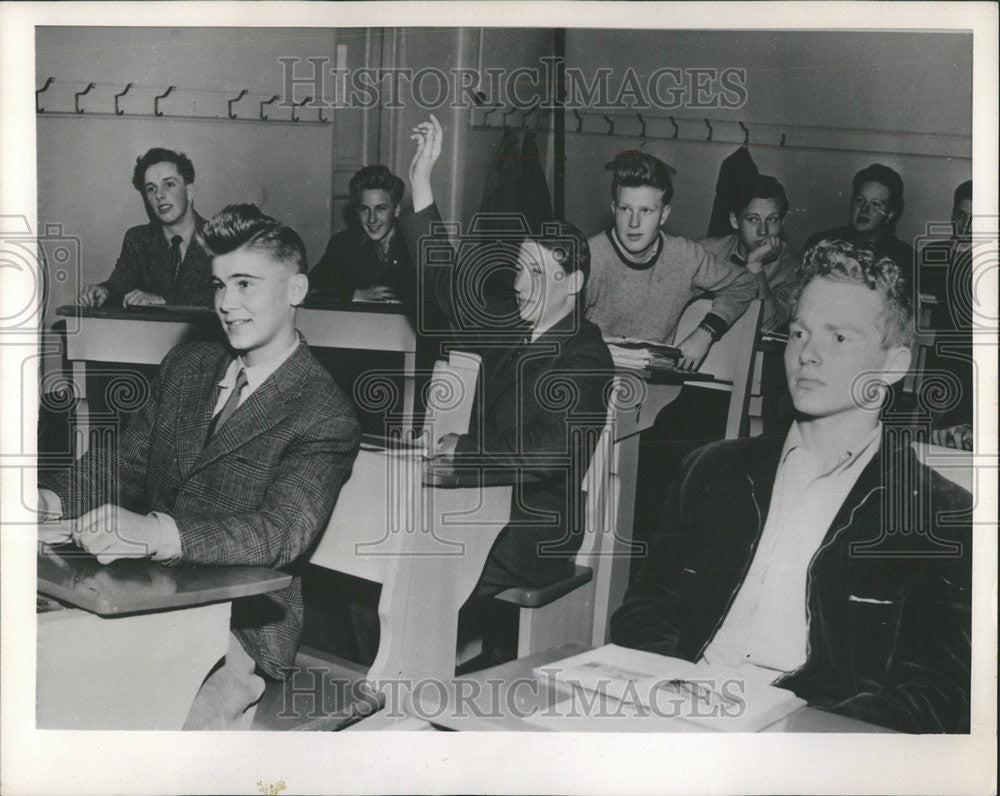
(197, 394)
(262, 411)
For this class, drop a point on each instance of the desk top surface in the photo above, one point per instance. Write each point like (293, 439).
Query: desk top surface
(497, 711)
(166, 313)
(129, 586)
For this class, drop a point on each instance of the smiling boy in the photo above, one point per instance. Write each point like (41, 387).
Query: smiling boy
(818, 561)
(368, 261)
(236, 458)
(164, 261)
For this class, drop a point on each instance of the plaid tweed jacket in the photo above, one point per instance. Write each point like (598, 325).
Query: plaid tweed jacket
(258, 494)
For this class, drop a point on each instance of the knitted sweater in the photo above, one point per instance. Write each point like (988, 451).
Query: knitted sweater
(646, 301)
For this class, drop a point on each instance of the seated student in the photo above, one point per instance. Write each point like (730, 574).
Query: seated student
(774, 553)
(642, 279)
(534, 347)
(877, 201)
(756, 217)
(367, 261)
(946, 275)
(236, 458)
(164, 261)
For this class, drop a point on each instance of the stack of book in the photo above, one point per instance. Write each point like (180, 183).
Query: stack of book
(628, 352)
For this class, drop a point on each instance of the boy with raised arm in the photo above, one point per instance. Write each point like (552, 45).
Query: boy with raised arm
(544, 379)
(236, 458)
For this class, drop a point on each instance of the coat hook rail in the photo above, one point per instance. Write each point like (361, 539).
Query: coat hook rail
(42, 90)
(79, 94)
(236, 99)
(156, 100)
(124, 91)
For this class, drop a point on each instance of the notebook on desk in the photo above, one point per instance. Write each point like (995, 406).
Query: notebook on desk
(638, 689)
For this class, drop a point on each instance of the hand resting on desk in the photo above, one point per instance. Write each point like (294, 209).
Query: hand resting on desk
(141, 298)
(110, 532)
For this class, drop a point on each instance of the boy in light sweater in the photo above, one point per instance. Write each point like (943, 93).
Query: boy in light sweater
(642, 279)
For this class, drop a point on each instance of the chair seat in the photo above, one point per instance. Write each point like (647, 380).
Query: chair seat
(537, 596)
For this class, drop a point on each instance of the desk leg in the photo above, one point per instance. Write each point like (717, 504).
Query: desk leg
(613, 574)
(81, 442)
(409, 388)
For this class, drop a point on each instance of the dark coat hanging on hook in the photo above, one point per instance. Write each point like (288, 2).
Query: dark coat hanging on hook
(738, 168)
(515, 181)
(535, 201)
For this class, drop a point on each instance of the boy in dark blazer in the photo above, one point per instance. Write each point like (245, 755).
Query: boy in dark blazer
(542, 399)
(236, 458)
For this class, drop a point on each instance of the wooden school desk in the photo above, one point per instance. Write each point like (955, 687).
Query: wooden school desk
(500, 698)
(144, 335)
(140, 639)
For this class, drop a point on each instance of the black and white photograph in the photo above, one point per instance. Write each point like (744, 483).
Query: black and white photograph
(382, 382)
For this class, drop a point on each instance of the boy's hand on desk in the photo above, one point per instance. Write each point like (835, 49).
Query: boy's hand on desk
(446, 445)
(92, 296)
(140, 298)
(111, 532)
(693, 350)
(375, 293)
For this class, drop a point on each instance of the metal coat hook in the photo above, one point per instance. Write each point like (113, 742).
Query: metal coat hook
(119, 111)
(156, 100)
(611, 124)
(320, 117)
(579, 120)
(266, 102)
(746, 134)
(295, 106)
(676, 128)
(642, 131)
(507, 113)
(782, 142)
(708, 124)
(80, 94)
(48, 82)
(241, 95)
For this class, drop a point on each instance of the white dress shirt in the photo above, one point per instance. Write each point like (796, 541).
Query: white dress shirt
(766, 630)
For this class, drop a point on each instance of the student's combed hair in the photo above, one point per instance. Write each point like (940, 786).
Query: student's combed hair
(635, 169)
(158, 155)
(963, 192)
(237, 226)
(841, 261)
(376, 178)
(568, 245)
(883, 175)
(762, 186)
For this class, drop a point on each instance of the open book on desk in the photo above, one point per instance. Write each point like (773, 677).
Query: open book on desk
(652, 692)
(628, 352)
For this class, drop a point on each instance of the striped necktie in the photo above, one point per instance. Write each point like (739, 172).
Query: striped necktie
(230, 406)
(175, 256)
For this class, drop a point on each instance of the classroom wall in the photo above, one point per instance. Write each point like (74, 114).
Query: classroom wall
(85, 161)
(467, 153)
(901, 83)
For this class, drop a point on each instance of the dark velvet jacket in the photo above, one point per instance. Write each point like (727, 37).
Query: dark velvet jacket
(539, 408)
(889, 617)
(899, 251)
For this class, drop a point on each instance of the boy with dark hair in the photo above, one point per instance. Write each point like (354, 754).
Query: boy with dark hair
(816, 561)
(757, 215)
(367, 261)
(236, 458)
(643, 279)
(534, 346)
(876, 204)
(164, 261)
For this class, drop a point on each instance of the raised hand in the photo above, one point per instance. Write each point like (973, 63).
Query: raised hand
(428, 137)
